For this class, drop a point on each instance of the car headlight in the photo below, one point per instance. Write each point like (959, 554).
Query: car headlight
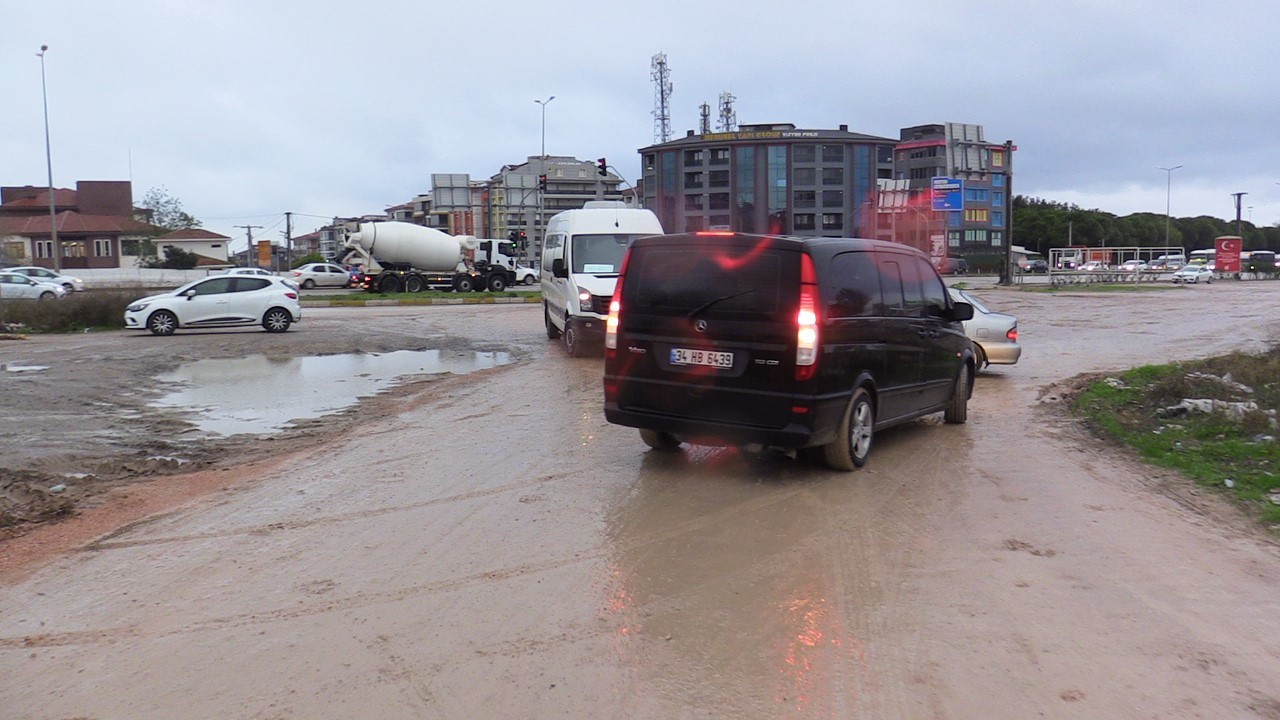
(584, 301)
(137, 307)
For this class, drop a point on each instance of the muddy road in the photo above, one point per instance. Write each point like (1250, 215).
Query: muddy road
(485, 545)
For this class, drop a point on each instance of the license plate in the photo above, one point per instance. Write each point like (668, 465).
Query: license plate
(703, 358)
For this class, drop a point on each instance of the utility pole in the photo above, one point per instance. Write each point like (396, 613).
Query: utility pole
(1237, 196)
(1006, 271)
(248, 253)
(288, 237)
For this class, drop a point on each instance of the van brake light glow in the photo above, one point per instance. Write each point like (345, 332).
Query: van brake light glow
(615, 309)
(807, 340)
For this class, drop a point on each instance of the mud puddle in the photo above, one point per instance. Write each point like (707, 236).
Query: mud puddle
(263, 395)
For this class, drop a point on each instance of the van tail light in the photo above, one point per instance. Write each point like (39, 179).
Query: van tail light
(615, 310)
(807, 340)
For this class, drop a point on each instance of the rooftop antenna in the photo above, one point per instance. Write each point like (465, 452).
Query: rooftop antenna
(704, 119)
(728, 116)
(661, 76)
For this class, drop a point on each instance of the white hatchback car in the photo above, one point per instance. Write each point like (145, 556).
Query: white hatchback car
(18, 286)
(39, 274)
(1192, 274)
(218, 301)
(321, 275)
(526, 276)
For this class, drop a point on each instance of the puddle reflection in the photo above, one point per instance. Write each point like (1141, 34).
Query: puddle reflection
(260, 395)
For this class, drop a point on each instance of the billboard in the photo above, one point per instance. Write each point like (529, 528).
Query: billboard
(264, 253)
(1227, 257)
(948, 194)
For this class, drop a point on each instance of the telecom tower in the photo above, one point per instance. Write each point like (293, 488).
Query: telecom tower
(704, 119)
(728, 118)
(661, 76)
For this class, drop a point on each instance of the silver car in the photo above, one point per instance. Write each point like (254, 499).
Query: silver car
(16, 286)
(39, 274)
(994, 334)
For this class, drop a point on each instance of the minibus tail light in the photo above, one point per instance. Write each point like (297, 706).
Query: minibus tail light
(807, 335)
(615, 309)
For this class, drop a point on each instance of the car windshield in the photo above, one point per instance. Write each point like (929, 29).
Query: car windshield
(600, 254)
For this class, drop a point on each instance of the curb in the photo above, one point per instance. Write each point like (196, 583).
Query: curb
(381, 302)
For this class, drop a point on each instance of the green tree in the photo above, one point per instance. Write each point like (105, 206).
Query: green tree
(165, 211)
(175, 258)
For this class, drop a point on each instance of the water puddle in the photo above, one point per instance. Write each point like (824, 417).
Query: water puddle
(260, 395)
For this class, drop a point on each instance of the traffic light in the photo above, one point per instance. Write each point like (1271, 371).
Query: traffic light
(603, 167)
(522, 241)
(542, 183)
(513, 237)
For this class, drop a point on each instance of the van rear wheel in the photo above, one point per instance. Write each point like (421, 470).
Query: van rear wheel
(659, 440)
(854, 436)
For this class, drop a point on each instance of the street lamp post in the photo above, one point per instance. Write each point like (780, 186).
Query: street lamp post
(1168, 193)
(48, 159)
(544, 103)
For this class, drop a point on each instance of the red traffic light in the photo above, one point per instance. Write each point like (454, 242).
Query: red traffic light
(603, 167)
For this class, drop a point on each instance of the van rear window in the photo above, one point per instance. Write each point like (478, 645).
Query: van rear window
(682, 280)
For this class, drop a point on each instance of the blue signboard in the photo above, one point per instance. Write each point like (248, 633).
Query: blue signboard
(948, 194)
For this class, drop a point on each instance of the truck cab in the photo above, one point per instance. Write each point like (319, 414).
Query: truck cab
(581, 258)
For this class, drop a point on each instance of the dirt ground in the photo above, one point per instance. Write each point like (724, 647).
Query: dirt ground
(485, 545)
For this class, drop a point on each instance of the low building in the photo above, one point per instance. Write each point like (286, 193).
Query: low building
(210, 248)
(97, 225)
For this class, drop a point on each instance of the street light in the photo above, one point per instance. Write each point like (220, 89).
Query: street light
(1168, 192)
(543, 103)
(48, 158)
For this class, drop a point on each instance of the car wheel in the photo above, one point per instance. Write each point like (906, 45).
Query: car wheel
(46, 295)
(981, 357)
(553, 332)
(957, 411)
(854, 436)
(573, 341)
(162, 322)
(308, 284)
(497, 283)
(659, 440)
(277, 320)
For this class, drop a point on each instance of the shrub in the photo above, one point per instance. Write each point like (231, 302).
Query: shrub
(98, 309)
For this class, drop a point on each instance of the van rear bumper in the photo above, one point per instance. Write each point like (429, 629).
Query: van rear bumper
(816, 430)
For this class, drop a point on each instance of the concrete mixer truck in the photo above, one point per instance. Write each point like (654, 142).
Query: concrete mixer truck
(400, 256)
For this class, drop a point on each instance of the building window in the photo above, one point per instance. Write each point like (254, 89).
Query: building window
(719, 156)
(997, 238)
(719, 201)
(832, 198)
(832, 153)
(953, 219)
(719, 178)
(692, 157)
(44, 248)
(101, 247)
(976, 215)
(804, 221)
(953, 239)
(777, 178)
(975, 236)
(692, 202)
(997, 198)
(833, 176)
(745, 182)
(719, 222)
(977, 194)
(922, 173)
(692, 180)
(74, 249)
(997, 218)
(803, 153)
(832, 221)
(884, 154)
(805, 176)
(997, 158)
(805, 198)
(997, 180)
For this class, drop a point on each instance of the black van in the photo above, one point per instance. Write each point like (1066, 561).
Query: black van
(722, 338)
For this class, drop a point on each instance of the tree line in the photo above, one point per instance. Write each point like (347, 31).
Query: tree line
(1043, 224)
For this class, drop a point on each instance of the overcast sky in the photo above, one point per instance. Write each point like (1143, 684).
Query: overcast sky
(243, 110)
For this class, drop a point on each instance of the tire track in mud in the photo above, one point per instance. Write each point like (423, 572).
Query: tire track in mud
(364, 599)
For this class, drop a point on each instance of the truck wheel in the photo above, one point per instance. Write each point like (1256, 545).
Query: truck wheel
(553, 332)
(855, 434)
(463, 283)
(573, 341)
(413, 284)
(497, 282)
(389, 284)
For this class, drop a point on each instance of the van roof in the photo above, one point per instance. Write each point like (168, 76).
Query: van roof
(796, 241)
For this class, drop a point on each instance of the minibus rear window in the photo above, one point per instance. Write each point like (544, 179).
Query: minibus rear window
(716, 280)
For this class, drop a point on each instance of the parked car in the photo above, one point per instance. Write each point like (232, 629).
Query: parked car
(1192, 274)
(1093, 266)
(781, 342)
(994, 334)
(249, 271)
(39, 274)
(218, 301)
(526, 276)
(1133, 266)
(16, 286)
(321, 274)
(1036, 265)
(951, 265)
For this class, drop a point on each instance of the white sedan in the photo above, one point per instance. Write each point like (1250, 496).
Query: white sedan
(39, 274)
(1192, 274)
(16, 286)
(526, 276)
(321, 275)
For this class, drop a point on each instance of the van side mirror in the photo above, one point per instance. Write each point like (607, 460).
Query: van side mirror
(961, 311)
(558, 268)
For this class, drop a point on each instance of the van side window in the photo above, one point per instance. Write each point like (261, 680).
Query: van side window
(852, 288)
(931, 286)
(912, 287)
(891, 284)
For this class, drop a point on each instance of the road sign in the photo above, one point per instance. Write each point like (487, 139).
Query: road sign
(948, 194)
